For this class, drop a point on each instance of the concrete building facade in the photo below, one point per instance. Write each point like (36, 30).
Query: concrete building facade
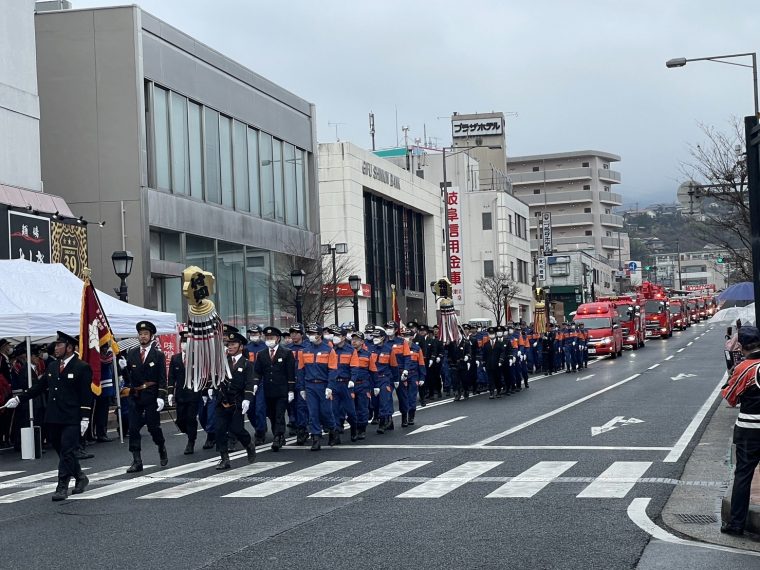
(705, 267)
(576, 188)
(391, 220)
(189, 158)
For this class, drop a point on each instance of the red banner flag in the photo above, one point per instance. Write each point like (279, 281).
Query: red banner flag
(394, 308)
(94, 332)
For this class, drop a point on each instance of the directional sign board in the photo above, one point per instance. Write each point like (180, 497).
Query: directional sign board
(632, 266)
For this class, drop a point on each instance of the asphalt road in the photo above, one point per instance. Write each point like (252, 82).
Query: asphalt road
(520, 482)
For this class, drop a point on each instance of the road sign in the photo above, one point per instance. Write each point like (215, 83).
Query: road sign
(541, 269)
(632, 266)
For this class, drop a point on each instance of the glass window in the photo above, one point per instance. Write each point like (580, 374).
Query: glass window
(170, 250)
(230, 282)
(161, 137)
(240, 154)
(487, 222)
(211, 142)
(300, 186)
(253, 171)
(225, 153)
(155, 245)
(169, 295)
(200, 252)
(195, 142)
(279, 205)
(267, 176)
(289, 178)
(181, 182)
(488, 268)
(257, 270)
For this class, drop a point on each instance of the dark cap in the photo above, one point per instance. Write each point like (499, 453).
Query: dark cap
(235, 337)
(272, 331)
(254, 329)
(358, 334)
(467, 327)
(749, 335)
(423, 328)
(413, 324)
(296, 327)
(491, 330)
(369, 329)
(19, 350)
(379, 331)
(146, 326)
(228, 329)
(63, 337)
(391, 325)
(314, 328)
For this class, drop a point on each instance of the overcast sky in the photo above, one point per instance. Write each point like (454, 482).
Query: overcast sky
(578, 74)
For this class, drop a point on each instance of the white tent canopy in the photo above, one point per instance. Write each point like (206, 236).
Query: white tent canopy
(38, 299)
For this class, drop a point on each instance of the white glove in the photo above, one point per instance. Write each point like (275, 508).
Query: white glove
(466, 358)
(535, 344)
(395, 385)
(438, 359)
(468, 366)
(499, 363)
(160, 402)
(170, 399)
(421, 383)
(244, 407)
(350, 384)
(430, 363)
(405, 375)
(573, 344)
(328, 393)
(205, 399)
(12, 403)
(122, 362)
(291, 397)
(210, 393)
(302, 393)
(376, 391)
(512, 361)
(255, 389)
(83, 425)
(477, 363)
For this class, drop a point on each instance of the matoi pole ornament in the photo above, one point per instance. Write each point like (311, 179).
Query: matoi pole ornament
(448, 323)
(206, 361)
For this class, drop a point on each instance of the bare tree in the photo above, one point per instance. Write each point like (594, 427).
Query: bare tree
(316, 295)
(497, 292)
(719, 164)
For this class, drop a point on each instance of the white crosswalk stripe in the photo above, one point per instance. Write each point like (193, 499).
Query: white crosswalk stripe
(530, 482)
(289, 481)
(29, 479)
(616, 480)
(447, 482)
(130, 484)
(9, 473)
(370, 480)
(45, 489)
(214, 481)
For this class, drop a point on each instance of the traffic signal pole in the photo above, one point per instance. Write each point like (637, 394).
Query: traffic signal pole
(752, 134)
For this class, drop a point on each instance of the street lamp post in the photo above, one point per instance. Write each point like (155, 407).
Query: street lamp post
(297, 277)
(355, 282)
(122, 266)
(678, 253)
(752, 140)
(332, 249)
(445, 187)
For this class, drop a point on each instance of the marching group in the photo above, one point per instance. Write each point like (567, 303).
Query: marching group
(305, 380)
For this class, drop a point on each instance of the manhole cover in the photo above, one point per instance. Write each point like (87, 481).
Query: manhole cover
(697, 519)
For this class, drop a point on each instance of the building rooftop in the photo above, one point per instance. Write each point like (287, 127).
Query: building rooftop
(557, 155)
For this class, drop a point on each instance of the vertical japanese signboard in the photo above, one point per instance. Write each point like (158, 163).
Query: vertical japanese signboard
(454, 216)
(546, 232)
(541, 269)
(29, 237)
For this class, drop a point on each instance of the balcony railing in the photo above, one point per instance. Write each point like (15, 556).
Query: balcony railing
(582, 241)
(557, 175)
(608, 175)
(612, 220)
(567, 220)
(610, 198)
(558, 197)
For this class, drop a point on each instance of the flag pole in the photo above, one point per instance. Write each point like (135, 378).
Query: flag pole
(118, 397)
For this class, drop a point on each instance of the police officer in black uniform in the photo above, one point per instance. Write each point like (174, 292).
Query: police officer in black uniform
(275, 369)
(459, 353)
(145, 376)
(234, 397)
(431, 348)
(186, 399)
(67, 381)
(493, 360)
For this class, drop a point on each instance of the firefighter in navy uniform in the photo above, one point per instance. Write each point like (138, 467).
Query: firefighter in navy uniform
(186, 399)
(234, 396)
(67, 381)
(146, 381)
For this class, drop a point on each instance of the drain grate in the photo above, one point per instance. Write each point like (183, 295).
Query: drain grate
(697, 519)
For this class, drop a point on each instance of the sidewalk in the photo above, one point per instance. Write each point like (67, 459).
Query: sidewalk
(706, 488)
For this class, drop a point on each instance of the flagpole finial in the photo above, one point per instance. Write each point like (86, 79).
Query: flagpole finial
(87, 272)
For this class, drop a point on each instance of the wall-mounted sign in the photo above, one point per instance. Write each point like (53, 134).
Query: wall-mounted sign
(546, 232)
(541, 269)
(29, 237)
(368, 169)
(69, 246)
(455, 249)
(461, 128)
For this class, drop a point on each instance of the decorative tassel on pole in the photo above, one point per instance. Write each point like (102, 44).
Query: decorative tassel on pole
(206, 361)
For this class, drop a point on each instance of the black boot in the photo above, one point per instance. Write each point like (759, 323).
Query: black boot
(334, 437)
(457, 397)
(389, 424)
(316, 442)
(224, 462)
(278, 442)
(411, 417)
(404, 420)
(361, 433)
(260, 438)
(190, 447)
(375, 420)
(163, 456)
(301, 436)
(381, 427)
(491, 395)
(448, 393)
(137, 464)
(353, 432)
(251, 452)
(81, 483)
(62, 489)
(210, 441)
(423, 403)
(466, 394)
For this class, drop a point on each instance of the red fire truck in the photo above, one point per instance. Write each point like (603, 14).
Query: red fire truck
(602, 323)
(657, 311)
(679, 314)
(632, 321)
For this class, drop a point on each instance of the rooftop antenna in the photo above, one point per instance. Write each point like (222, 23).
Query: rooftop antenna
(406, 136)
(372, 128)
(336, 125)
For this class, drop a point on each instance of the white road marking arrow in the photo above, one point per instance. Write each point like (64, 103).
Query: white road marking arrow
(681, 376)
(431, 427)
(612, 424)
(584, 378)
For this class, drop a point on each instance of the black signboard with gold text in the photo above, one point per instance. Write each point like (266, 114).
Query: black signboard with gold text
(70, 246)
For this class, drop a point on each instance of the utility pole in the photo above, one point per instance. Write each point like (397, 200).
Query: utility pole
(372, 128)
(678, 246)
